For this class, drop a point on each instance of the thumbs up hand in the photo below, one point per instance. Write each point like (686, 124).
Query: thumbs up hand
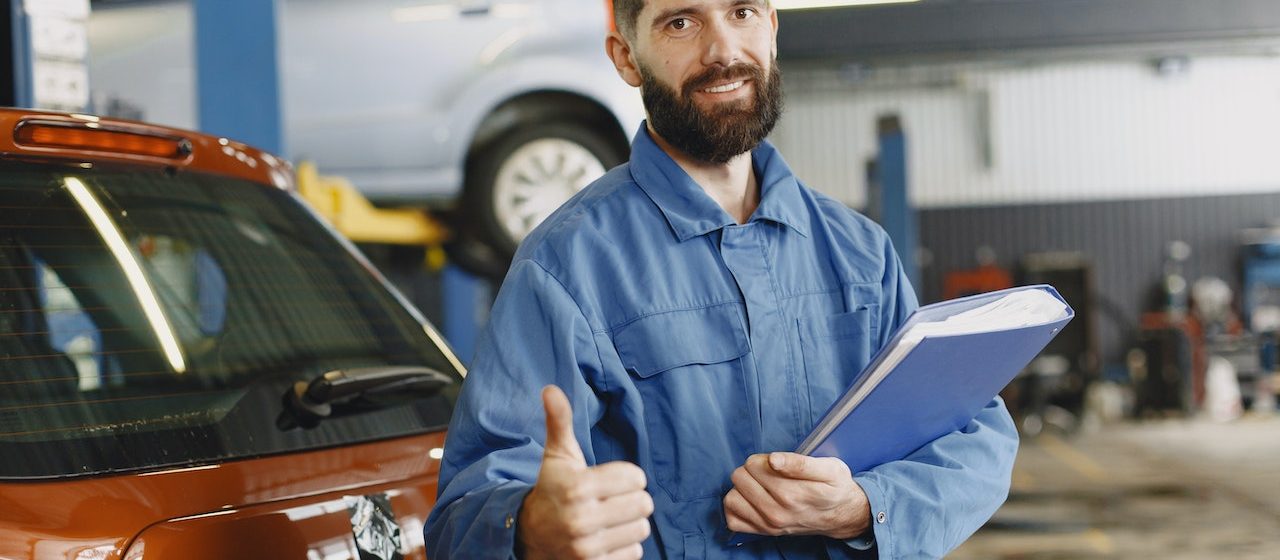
(578, 512)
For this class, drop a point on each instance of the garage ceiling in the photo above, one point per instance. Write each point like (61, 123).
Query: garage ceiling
(978, 26)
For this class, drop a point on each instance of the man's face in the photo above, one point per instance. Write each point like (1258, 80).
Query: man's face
(707, 74)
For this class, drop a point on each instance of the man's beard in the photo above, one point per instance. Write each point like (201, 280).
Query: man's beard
(723, 131)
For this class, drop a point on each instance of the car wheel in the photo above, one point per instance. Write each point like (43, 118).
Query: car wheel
(516, 182)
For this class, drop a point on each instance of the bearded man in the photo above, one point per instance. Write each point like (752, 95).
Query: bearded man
(688, 318)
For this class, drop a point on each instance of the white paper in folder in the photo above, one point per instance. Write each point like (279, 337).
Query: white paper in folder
(1018, 309)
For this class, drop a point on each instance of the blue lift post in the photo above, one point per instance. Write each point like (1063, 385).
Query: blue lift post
(467, 299)
(20, 61)
(237, 71)
(895, 212)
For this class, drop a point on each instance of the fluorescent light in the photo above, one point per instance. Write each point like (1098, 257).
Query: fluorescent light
(110, 234)
(808, 4)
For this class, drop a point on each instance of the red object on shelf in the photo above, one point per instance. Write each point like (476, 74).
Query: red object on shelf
(985, 278)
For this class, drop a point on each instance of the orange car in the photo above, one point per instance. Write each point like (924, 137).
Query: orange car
(192, 365)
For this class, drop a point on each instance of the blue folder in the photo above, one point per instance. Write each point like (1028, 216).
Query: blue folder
(938, 388)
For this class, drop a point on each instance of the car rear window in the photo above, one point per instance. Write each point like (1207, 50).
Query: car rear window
(153, 318)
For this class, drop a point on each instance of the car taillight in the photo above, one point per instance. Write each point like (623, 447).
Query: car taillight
(35, 134)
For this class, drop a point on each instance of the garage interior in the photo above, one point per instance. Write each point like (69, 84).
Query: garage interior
(1121, 150)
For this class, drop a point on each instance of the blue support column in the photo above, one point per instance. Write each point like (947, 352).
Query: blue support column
(237, 71)
(896, 214)
(467, 299)
(20, 64)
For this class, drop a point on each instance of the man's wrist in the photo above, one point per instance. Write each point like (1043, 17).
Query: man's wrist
(853, 519)
(521, 524)
(852, 526)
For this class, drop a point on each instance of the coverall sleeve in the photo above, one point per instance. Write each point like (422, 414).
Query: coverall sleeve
(536, 336)
(927, 504)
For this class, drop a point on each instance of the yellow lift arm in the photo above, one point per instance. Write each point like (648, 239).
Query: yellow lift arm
(354, 216)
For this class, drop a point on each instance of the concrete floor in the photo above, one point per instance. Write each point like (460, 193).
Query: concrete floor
(1171, 489)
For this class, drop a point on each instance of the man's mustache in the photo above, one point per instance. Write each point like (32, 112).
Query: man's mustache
(735, 72)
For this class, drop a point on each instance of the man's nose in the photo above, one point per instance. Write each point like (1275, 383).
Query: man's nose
(720, 45)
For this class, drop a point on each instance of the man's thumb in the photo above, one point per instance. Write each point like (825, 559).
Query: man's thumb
(560, 440)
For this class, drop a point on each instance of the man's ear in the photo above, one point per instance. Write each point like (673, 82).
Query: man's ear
(773, 18)
(619, 51)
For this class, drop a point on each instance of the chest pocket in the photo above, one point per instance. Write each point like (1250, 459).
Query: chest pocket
(687, 368)
(835, 348)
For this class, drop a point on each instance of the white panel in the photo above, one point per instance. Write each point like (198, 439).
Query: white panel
(73, 9)
(60, 85)
(141, 57)
(56, 37)
(1070, 131)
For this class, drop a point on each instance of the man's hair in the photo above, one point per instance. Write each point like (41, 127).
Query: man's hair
(625, 14)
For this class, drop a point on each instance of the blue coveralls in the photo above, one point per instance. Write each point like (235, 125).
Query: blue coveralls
(687, 342)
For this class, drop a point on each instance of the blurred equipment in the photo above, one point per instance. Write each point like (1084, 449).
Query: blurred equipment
(1169, 373)
(1260, 300)
(1162, 364)
(1204, 359)
(1212, 298)
(1174, 284)
(1225, 339)
(1243, 353)
(1052, 389)
(1222, 391)
(1106, 403)
(987, 277)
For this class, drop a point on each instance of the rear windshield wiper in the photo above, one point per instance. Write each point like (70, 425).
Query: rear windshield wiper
(348, 391)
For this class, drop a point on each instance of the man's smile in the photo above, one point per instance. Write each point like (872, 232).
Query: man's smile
(725, 91)
(725, 87)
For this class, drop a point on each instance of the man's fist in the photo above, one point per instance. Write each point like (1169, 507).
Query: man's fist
(791, 494)
(579, 512)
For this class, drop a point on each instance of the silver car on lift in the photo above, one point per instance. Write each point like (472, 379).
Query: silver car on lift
(498, 110)
(508, 107)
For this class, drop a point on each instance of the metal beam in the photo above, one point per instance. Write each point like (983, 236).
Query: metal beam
(15, 82)
(237, 76)
(896, 214)
(978, 26)
(467, 299)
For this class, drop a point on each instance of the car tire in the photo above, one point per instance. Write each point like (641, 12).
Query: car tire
(516, 181)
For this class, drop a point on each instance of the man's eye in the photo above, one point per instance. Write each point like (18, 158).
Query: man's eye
(744, 13)
(679, 24)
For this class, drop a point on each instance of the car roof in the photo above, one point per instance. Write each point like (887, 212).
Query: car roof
(90, 139)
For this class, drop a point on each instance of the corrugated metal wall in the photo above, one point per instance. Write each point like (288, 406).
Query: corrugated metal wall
(1045, 132)
(1124, 240)
(1110, 158)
